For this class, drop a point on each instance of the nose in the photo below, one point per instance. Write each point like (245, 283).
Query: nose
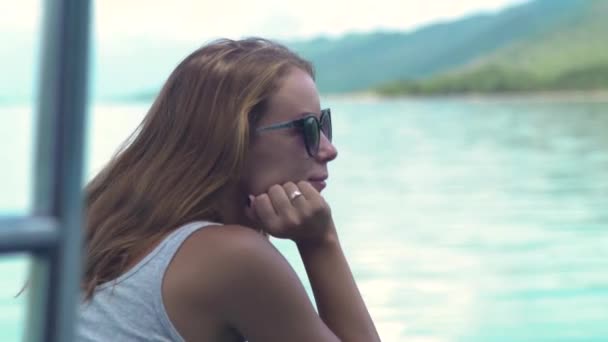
(327, 150)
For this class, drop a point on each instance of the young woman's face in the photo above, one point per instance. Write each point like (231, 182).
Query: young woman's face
(280, 155)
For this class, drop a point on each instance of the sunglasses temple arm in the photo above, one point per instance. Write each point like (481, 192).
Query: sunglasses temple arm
(277, 126)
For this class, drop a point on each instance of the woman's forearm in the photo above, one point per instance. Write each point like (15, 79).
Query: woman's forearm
(338, 299)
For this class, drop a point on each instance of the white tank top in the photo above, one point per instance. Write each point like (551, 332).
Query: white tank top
(130, 308)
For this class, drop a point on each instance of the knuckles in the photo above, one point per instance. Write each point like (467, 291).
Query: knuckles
(306, 218)
(303, 184)
(275, 189)
(293, 219)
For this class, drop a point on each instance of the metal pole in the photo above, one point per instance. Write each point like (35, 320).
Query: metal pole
(62, 100)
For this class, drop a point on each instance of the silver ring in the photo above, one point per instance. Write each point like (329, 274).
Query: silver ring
(295, 195)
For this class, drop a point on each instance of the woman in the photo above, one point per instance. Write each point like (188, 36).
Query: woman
(235, 147)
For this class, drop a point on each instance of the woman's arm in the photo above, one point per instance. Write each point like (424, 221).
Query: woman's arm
(338, 299)
(233, 278)
(306, 219)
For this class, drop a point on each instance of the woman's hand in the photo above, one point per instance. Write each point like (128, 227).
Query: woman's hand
(296, 212)
(306, 219)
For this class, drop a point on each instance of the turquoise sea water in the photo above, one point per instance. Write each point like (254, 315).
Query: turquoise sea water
(463, 220)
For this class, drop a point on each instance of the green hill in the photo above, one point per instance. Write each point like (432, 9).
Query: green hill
(537, 45)
(572, 54)
(361, 61)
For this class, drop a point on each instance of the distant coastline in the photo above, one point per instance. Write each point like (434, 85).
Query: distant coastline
(537, 96)
(540, 50)
(565, 96)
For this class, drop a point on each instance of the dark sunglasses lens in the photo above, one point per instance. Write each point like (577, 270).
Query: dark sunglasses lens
(326, 125)
(312, 135)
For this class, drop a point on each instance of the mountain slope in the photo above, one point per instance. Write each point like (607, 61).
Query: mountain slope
(484, 46)
(571, 55)
(359, 61)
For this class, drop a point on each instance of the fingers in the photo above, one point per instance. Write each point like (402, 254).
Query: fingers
(290, 207)
(279, 197)
(276, 207)
(296, 197)
(314, 199)
(283, 214)
(265, 210)
(249, 211)
(308, 191)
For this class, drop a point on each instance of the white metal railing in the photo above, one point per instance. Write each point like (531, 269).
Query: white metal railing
(52, 232)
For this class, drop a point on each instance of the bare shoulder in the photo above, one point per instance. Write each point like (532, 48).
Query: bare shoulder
(221, 257)
(215, 252)
(235, 275)
(231, 244)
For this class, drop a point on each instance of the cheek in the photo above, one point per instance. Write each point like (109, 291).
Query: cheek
(276, 163)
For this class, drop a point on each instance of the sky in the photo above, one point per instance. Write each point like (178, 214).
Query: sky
(196, 20)
(164, 31)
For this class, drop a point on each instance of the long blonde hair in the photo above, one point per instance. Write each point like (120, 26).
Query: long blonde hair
(189, 148)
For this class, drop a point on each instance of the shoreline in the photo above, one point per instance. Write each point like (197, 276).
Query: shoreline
(565, 96)
(541, 96)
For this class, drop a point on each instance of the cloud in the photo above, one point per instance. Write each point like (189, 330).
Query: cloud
(20, 16)
(196, 20)
(192, 20)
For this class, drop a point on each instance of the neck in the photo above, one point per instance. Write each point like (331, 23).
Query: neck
(233, 206)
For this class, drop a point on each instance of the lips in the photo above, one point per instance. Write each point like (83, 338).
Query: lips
(318, 183)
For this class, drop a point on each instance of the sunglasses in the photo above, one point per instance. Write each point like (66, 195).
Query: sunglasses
(310, 127)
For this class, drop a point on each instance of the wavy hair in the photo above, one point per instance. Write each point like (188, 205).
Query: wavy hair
(188, 150)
